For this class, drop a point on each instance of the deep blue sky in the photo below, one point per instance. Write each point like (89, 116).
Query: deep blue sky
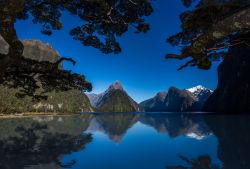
(141, 66)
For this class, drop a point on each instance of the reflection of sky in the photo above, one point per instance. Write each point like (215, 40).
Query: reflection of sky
(142, 147)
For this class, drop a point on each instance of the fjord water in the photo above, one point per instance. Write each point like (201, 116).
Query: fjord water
(125, 141)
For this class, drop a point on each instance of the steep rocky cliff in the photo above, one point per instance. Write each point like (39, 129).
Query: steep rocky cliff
(232, 94)
(180, 101)
(156, 103)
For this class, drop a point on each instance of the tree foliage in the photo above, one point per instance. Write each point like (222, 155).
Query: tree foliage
(102, 22)
(210, 29)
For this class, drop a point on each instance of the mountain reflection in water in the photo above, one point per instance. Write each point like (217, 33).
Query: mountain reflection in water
(134, 141)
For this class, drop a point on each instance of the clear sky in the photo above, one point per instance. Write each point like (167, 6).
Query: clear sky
(141, 66)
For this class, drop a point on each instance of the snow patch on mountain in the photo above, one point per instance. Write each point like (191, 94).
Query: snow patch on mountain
(198, 88)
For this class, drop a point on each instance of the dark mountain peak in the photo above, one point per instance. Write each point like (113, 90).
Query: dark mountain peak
(114, 99)
(172, 88)
(179, 92)
(156, 103)
(178, 100)
(116, 86)
(161, 95)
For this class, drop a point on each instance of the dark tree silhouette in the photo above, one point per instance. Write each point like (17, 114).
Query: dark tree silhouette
(210, 29)
(103, 22)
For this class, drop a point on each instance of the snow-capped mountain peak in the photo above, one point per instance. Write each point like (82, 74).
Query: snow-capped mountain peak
(196, 88)
(200, 93)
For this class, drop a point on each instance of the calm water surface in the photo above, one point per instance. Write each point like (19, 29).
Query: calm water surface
(126, 141)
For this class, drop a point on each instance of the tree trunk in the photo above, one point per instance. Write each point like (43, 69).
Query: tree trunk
(8, 32)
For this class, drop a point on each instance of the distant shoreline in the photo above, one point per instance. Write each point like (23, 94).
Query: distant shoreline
(33, 114)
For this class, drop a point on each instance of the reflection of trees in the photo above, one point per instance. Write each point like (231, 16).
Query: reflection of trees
(37, 145)
(202, 162)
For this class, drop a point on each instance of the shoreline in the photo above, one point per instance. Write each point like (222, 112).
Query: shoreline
(33, 114)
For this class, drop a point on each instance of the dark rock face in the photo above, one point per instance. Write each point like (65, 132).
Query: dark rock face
(155, 104)
(233, 91)
(180, 101)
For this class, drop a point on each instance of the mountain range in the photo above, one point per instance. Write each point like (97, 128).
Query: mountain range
(116, 99)
(177, 100)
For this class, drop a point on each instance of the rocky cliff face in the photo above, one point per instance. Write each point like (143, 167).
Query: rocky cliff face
(40, 51)
(66, 101)
(156, 103)
(114, 99)
(232, 94)
(180, 101)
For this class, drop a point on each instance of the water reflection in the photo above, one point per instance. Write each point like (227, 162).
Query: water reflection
(176, 125)
(41, 142)
(175, 141)
(233, 133)
(202, 162)
(114, 125)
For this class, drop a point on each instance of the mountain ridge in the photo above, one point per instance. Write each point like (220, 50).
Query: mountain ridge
(177, 100)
